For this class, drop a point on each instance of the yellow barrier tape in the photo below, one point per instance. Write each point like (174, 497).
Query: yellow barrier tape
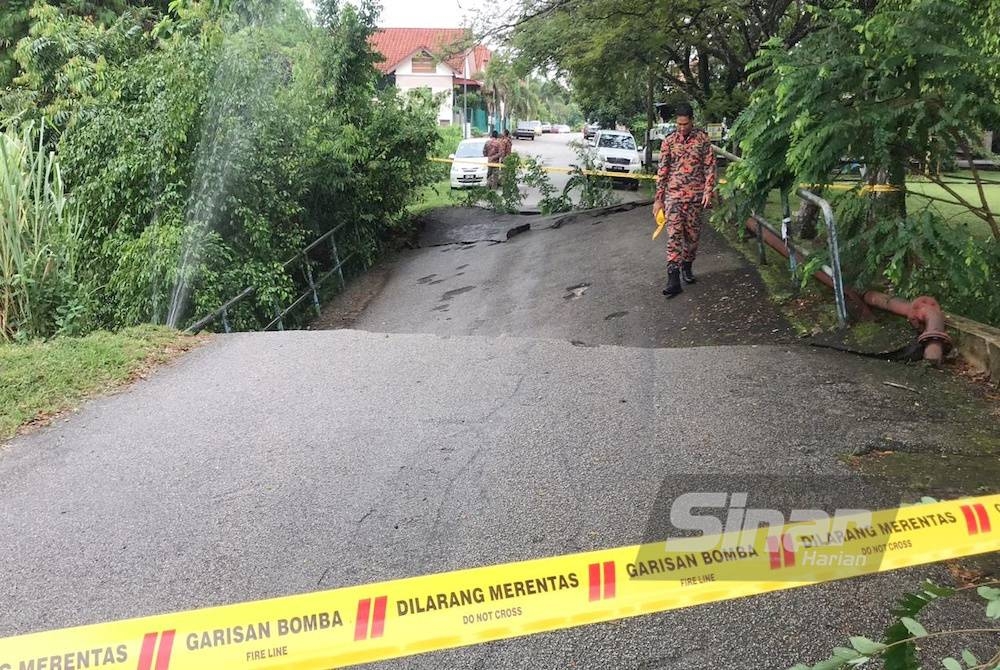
(560, 169)
(842, 186)
(373, 622)
(867, 188)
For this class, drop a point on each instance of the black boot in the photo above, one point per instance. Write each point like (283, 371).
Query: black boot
(686, 274)
(673, 283)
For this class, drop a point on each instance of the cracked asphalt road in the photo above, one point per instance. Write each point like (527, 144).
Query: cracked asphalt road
(458, 426)
(596, 280)
(270, 464)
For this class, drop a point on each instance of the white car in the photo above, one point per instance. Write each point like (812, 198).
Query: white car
(616, 151)
(469, 166)
(659, 132)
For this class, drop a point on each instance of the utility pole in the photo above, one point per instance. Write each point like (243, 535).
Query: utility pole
(650, 118)
(465, 101)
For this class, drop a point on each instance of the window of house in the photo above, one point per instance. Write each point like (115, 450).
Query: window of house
(423, 63)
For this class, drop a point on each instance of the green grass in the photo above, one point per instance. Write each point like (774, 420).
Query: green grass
(432, 196)
(41, 379)
(953, 214)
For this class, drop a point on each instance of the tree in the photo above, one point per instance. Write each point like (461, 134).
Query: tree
(65, 59)
(15, 21)
(900, 84)
(508, 91)
(13, 26)
(618, 54)
(900, 87)
(206, 145)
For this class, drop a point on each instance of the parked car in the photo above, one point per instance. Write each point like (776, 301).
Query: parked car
(524, 131)
(561, 128)
(615, 151)
(469, 166)
(546, 127)
(660, 131)
(590, 130)
(536, 126)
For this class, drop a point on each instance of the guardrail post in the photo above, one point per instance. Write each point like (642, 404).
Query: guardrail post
(312, 287)
(336, 259)
(225, 320)
(786, 232)
(277, 315)
(834, 247)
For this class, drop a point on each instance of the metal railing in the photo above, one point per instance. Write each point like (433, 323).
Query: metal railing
(313, 284)
(833, 244)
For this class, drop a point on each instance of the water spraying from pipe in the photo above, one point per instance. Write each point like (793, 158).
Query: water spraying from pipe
(242, 94)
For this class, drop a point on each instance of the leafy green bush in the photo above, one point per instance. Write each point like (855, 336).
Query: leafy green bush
(552, 201)
(508, 198)
(66, 58)
(595, 191)
(210, 142)
(922, 255)
(899, 648)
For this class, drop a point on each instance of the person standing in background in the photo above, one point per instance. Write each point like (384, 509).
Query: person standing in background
(508, 144)
(493, 150)
(506, 149)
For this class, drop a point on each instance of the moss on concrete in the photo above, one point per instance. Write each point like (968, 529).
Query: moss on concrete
(809, 308)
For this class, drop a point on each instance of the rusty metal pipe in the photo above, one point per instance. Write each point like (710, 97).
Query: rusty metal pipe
(924, 314)
(773, 239)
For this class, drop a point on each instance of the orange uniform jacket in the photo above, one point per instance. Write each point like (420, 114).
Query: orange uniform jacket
(687, 167)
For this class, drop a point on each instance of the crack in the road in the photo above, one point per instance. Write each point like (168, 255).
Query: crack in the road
(558, 220)
(448, 295)
(477, 451)
(468, 244)
(464, 244)
(325, 573)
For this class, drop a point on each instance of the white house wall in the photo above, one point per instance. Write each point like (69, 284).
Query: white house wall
(439, 82)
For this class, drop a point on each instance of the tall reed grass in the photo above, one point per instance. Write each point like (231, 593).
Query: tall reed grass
(40, 233)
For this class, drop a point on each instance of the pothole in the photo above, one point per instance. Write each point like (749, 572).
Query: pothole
(576, 292)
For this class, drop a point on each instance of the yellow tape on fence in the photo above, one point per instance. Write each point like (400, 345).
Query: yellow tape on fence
(867, 188)
(366, 623)
(848, 186)
(559, 169)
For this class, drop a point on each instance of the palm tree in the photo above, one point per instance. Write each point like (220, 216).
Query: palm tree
(496, 88)
(524, 101)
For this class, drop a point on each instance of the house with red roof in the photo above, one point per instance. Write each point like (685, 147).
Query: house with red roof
(439, 59)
